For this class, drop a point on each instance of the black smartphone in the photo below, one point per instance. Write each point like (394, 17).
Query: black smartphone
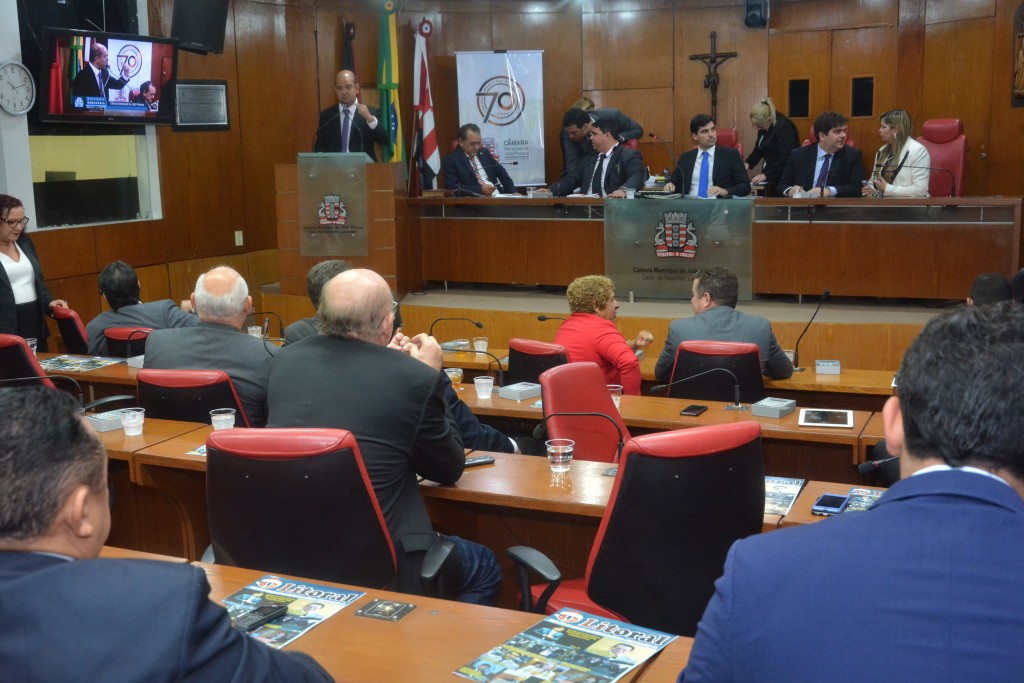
(693, 411)
(250, 621)
(829, 504)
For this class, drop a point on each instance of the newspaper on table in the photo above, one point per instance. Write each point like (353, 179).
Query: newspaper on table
(66, 363)
(780, 493)
(862, 499)
(571, 647)
(308, 605)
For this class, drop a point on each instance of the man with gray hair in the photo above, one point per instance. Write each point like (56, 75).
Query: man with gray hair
(222, 301)
(392, 400)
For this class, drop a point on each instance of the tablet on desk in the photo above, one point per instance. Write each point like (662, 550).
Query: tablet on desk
(812, 417)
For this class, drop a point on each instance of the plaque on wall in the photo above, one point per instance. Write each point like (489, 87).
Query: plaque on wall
(332, 204)
(201, 105)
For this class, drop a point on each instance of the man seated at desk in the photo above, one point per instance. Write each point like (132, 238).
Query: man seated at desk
(575, 134)
(471, 170)
(119, 285)
(222, 302)
(68, 616)
(609, 171)
(715, 318)
(829, 168)
(927, 584)
(708, 170)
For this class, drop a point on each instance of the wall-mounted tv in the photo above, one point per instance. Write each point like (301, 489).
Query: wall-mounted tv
(94, 77)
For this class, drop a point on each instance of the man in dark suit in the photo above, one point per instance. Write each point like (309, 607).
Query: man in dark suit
(471, 169)
(68, 616)
(576, 125)
(347, 377)
(926, 585)
(351, 126)
(725, 174)
(222, 302)
(827, 169)
(609, 170)
(95, 80)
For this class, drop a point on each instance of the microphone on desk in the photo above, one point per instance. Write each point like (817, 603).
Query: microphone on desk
(501, 373)
(540, 430)
(670, 158)
(872, 465)
(266, 322)
(952, 177)
(545, 318)
(18, 381)
(316, 135)
(735, 405)
(460, 191)
(479, 326)
(796, 347)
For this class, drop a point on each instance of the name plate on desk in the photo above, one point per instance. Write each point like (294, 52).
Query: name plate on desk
(826, 367)
(773, 407)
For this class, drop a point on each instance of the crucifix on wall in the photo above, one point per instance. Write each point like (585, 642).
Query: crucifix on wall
(711, 61)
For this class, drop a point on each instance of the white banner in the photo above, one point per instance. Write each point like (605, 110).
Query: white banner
(503, 93)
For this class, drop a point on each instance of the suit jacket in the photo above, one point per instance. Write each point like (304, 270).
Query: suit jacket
(845, 173)
(625, 169)
(574, 153)
(774, 146)
(126, 620)
(360, 137)
(85, 84)
(728, 171)
(393, 404)
(156, 314)
(212, 346)
(725, 323)
(924, 586)
(458, 172)
(914, 176)
(8, 315)
(306, 327)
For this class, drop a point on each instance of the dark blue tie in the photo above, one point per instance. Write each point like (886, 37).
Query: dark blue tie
(345, 130)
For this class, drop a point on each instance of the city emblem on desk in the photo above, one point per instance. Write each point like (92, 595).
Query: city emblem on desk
(675, 236)
(332, 210)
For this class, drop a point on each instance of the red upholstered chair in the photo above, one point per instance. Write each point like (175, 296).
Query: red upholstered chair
(17, 360)
(630, 143)
(188, 395)
(741, 358)
(729, 137)
(528, 358)
(576, 388)
(947, 147)
(680, 500)
(296, 501)
(125, 342)
(72, 331)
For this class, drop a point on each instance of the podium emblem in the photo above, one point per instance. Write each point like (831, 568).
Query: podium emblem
(332, 210)
(674, 236)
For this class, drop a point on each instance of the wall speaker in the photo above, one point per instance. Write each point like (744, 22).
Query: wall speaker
(755, 13)
(199, 25)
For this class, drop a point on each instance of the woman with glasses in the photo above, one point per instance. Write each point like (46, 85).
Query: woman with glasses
(901, 165)
(24, 298)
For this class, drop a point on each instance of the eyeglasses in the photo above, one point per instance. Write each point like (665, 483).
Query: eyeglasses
(23, 223)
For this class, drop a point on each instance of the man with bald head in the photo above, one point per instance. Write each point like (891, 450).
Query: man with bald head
(222, 302)
(391, 397)
(95, 80)
(349, 126)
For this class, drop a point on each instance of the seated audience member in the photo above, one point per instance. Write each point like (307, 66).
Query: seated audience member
(725, 174)
(936, 592)
(471, 169)
(901, 164)
(119, 285)
(715, 318)
(989, 288)
(589, 333)
(776, 139)
(316, 278)
(827, 169)
(222, 302)
(607, 172)
(68, 616)
(576, 128)
(346, 377)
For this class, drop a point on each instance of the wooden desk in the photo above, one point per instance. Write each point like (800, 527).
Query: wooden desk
(112, 553)
(801, 511)
(850, 390)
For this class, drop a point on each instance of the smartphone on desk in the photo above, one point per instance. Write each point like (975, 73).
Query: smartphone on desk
(829, 504)
(693, 410)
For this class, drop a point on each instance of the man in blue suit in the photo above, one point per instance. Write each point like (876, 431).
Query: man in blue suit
(725, 174)
(472, 170)
(927, 584)
(68, 616)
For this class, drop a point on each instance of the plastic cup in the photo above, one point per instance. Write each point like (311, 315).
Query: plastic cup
(616, 393)
(529, 192)
(255, 331)
(630, 193)
(484, 386)
(479, 343)
(455, 375)
(132, 420)
(222, 418)
(33, 343)
(560, 454)
(789, 354)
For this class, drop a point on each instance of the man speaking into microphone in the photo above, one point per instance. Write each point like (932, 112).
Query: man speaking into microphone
(96, 80)
(350, 126)
(472, 170)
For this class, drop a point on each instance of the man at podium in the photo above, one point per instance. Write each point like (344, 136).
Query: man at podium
(350, 126)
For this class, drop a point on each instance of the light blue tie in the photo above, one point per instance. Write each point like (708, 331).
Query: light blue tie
(702, 184)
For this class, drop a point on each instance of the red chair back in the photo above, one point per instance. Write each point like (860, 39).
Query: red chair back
(528, 358)
(17, 360)
(630, 143)
(72, 331)
(741, 358)
(125, 342)
(580, 387)
(296, 501)
(729, 137)
(947, 147)
(188, 395)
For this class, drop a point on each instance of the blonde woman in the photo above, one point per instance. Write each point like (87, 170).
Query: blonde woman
(776, 138)
(901, 165)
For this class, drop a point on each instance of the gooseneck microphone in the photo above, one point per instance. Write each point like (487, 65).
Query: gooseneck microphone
(501, 373)
(479, 326)
(872, 465)
(540, 430)
(266, 322)
(952, 176)
(796, 347)
(670, 158)
(544, 318)
(316, 135)
(735, 405)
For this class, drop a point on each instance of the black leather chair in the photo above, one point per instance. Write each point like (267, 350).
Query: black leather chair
(125, 342)
(527, 359)
(188, 395)
(740, 358)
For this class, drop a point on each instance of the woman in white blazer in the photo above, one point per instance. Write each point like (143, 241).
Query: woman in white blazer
(901, 165)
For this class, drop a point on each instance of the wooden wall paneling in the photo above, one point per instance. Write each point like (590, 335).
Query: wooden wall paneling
(802, 54)
(824, 15)
(290, 307)
(141, 244)
(862, 52)
(965, 90)
(65, 253)
(81, 294)
(627, 49)
(910, 67)
(182, 275)
(1004, 159)
(938, 11)
(264, 268)
(154, 284)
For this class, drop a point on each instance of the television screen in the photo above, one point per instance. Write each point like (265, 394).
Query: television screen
(94, 77)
